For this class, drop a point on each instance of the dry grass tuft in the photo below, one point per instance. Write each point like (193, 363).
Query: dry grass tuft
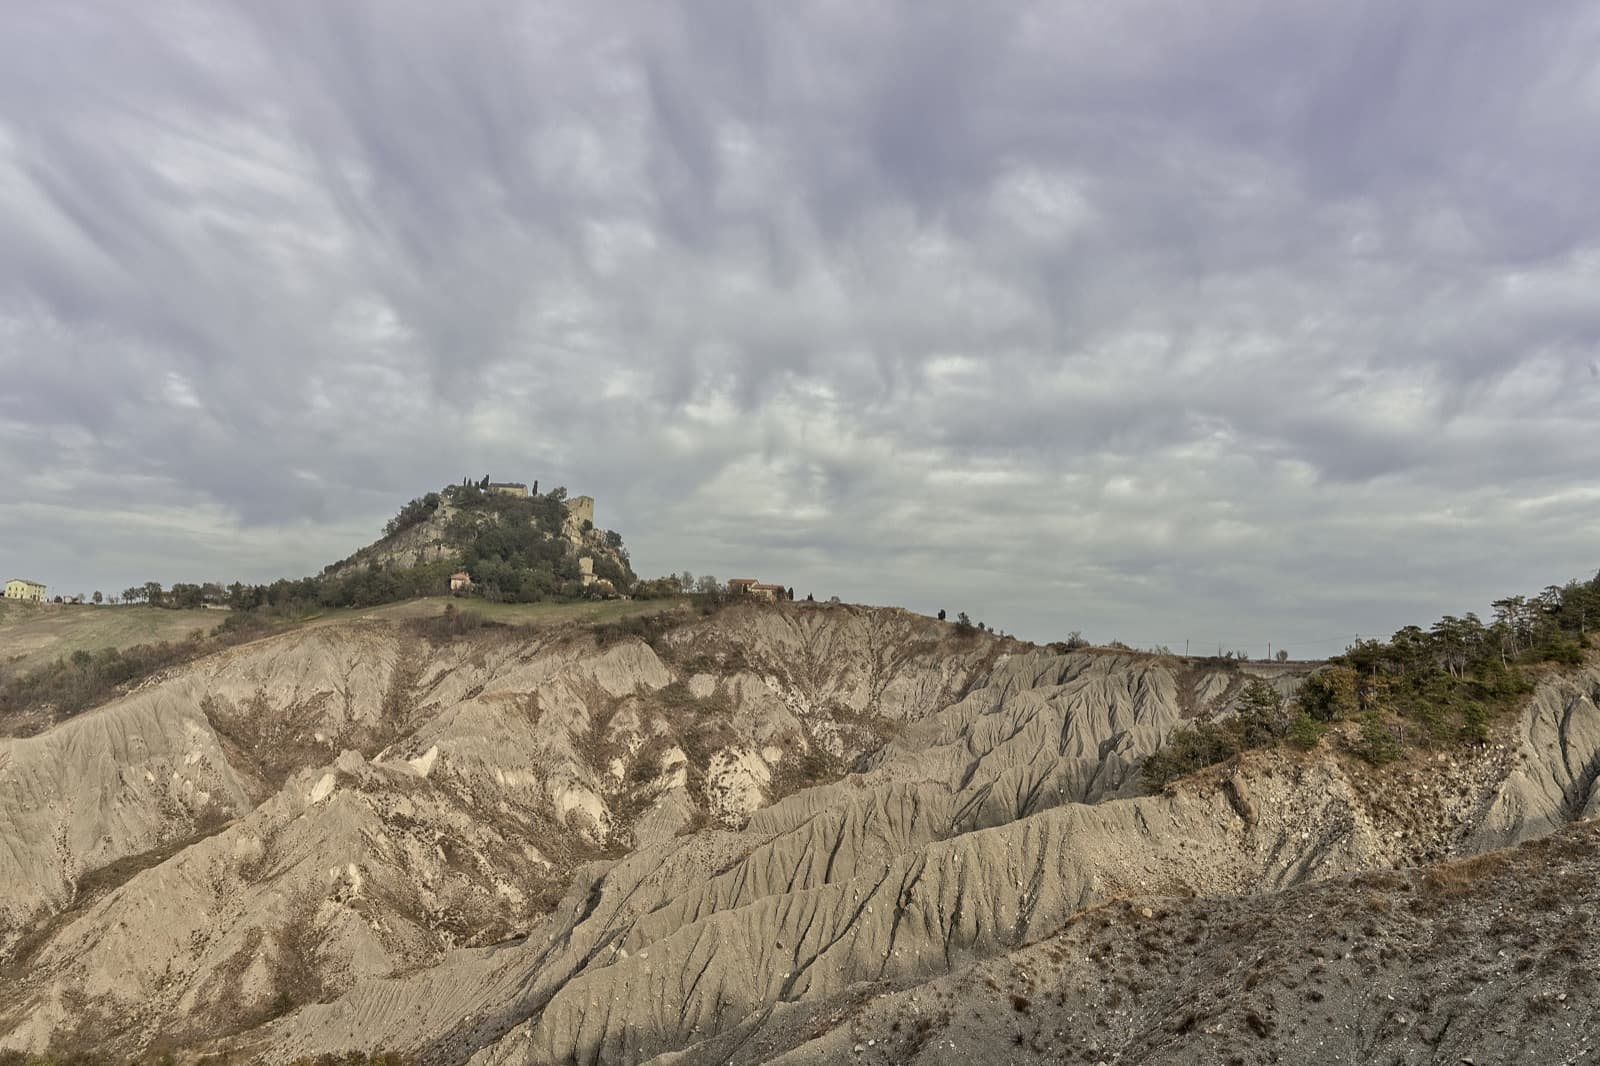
(1456, 880)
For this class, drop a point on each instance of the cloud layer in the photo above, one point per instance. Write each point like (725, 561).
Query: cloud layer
(1259, 322)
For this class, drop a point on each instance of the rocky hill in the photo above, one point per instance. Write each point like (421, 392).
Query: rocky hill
(814, 831)
(500, 538)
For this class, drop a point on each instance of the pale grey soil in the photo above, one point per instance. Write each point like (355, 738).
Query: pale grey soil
(527, 848)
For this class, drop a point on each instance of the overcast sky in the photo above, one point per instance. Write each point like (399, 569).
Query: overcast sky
(1232, 322)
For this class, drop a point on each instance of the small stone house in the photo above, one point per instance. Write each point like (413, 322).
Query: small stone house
(460, 580)
(749, 586)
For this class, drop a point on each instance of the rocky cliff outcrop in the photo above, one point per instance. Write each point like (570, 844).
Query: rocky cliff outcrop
(423, 542)
(432, 539)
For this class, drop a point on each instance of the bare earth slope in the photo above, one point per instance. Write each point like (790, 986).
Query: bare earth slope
(385, 799)
(711, 979)
(964, 838)
(730, 841)
(1484, 961)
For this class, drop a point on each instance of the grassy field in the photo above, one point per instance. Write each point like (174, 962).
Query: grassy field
(34, 634)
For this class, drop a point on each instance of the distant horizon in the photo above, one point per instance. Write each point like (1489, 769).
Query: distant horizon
(1189, 645)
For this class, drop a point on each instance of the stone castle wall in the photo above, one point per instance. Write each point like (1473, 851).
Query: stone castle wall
(580, 509)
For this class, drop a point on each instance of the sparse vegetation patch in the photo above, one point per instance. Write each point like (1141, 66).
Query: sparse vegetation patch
(1421, 688)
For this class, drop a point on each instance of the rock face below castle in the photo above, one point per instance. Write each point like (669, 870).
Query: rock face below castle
(426, 541)
(580, 518)
(414, 546)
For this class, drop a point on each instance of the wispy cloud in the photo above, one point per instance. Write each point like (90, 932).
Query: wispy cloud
(1255, 320)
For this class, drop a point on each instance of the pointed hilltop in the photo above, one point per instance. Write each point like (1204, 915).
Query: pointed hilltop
(498, 539)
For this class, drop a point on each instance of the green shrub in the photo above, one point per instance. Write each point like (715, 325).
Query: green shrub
(1305, 732)
(1475, 723)
(450, 625)
(1446, 684)
(1261, 719)
(1329, 696)
(414, 513)
(1566, 652)
(1377, 743)
(1187, 749)
(646, 627)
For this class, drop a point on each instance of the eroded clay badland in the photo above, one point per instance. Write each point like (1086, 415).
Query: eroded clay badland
(793, 832)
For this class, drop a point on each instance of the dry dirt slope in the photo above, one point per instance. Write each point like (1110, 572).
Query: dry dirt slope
(528, 847)
(276, 821)
(1486, 960)
(959, 841)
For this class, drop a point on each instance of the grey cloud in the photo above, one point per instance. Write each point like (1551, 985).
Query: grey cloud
(1119, 318)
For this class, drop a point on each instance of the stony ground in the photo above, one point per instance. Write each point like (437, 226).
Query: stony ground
(1486, 960)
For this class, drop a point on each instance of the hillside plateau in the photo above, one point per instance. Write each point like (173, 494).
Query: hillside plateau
(788, 831)
(34, 635)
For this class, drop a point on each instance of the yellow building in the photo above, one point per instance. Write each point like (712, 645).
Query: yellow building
(19, 589)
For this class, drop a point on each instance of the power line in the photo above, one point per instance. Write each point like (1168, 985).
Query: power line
(1229, 641)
